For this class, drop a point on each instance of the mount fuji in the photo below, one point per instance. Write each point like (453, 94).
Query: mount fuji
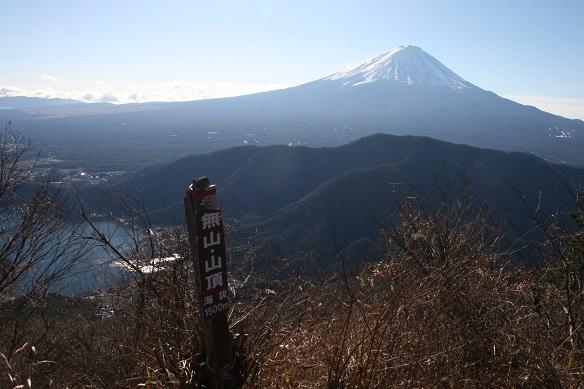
(403, 91)
(406, 65)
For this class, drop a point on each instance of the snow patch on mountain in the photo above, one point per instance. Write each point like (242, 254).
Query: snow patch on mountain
(560, 132)
(408, 65)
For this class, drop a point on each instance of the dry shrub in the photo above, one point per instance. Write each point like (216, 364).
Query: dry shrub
(443, 308)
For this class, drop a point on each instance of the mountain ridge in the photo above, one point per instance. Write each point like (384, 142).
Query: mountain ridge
(405, 91)
(291, 198)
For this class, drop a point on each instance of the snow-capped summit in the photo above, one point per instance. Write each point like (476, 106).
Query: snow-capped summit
(408, 65)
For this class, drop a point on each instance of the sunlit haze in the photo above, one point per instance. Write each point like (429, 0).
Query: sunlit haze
(138, 51)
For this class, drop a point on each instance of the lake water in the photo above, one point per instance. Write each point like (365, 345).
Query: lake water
(96, 270)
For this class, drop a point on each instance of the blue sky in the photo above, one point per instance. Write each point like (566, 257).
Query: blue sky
(532, 51)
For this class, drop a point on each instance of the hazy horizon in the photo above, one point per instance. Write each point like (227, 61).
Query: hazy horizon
(179, 51)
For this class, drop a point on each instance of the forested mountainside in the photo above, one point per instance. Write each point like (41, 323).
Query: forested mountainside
(300, 198)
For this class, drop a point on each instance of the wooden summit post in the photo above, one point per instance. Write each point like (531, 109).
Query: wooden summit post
(207, 241)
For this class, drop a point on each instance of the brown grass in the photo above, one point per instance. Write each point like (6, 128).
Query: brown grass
(443, 308)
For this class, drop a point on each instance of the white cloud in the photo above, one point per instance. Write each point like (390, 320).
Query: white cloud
(48, 77)
(9, 91)
(122, 92)
(181, 90)
(109, 97)
(563, 106)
